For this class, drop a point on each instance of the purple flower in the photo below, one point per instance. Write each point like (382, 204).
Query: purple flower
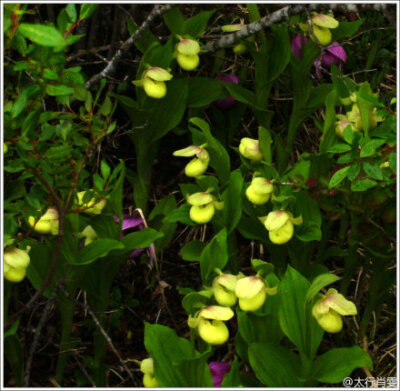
(297, 43)
(228, 102)
(218, 370)
(132, 224)
(334, 55)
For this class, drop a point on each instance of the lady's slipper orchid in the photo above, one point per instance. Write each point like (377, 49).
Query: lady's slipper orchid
(322, 24)
(147, 368)
(252, 292)
(218, 371)
(5, 148)
(250, 149)
(197, 165)
(342, 124)
(93, 207)
(47, 224)
(259, 191)
(15, 263)
(229, 102)
(153, 82)
(329, 307)
(203, 207)
(210, 324)
(334, 55)
(187, 54)
(279, 224)
(224, 289)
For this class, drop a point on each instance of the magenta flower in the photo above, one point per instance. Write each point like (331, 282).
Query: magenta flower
(218, 371)
(334, 55)
(132, 224)
(228, 102)
(297, 43)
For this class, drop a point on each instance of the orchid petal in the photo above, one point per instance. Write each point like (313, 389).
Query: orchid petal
(326, 21)
(201, 198)
(216, 312)
(188, 47)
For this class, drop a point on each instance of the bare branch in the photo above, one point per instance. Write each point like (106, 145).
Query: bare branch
(157, 11)
(282, 15)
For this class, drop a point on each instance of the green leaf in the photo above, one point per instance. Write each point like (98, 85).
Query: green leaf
(392, 161)
(338, 177)
(174, 20)
(192, 251)
(354, 170)
(265, 140)
(168, 112)
(339, 148)
(346, 29)
(141, 239)
(232, 378)
(203, 91)
(320, 282)
(42, 35)
(219, 158)
(275, 365)
(370, 147)
(295, 315)
(233, 201)
(363, 184)
(281, 52)
(180, 215)
(196, 25)
(261, 266)
(373, 170)
(336, 364)
(176, 362)
(214, 255)
(308, 232)
(87, 10)
(70, 9)
(95, 250)
(55, 90)
(195, 300)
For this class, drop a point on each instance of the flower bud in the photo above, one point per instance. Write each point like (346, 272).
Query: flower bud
(251, 293)
(239, 48)
(331, 322)
(14, 275)
(147, 366)
(259, 191)
(17, 258)
(214, 332)
(195, 168)
(187, 54)
(188, 63)
(150, 381)
(197, 165)
(224, 290)
(279, 224)
(47, 224)
(153, 82)
(342, 124)
(202, 214)
(323, 35)
(154, 89)
(329, 307)
(249, 148)
(93, 206)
